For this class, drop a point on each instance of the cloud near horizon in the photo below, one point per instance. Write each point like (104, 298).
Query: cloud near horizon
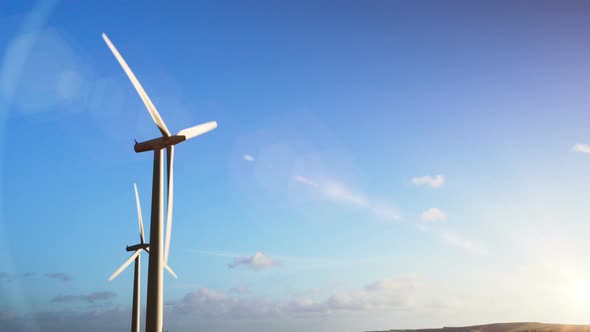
(434, 182)
(242, 290)
(89, 298)
(338, 192)
(388, 293)
(394, 294)
(66, 320)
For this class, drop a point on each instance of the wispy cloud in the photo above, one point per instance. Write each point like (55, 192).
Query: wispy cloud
(259, 261)
(11, 277)
(304, 180)
(248, 157)
(457, 240)
(434, 182)
(97, 296)
(59, 276)
(216, 253)
(64, 298)
(291, 262)
(89, 298)
(581, 148)
(338, 192)
(433, 215)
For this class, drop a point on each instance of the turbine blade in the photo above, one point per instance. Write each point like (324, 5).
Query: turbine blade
(169, 208)
(139, 217)
(198, 130)
(170, 270)
(144, 97)
(120, 269)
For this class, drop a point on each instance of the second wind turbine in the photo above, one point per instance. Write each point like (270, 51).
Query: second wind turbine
(158, 254)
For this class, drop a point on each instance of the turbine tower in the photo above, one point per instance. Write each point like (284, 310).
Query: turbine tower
(159, 254)
(135, 313)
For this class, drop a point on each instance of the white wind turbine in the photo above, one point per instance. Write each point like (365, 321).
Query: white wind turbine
(135, 314)
(159, 257)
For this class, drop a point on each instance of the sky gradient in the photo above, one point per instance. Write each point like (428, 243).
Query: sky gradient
(377, 164)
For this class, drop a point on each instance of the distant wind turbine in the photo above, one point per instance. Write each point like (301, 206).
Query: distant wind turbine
(159, 257)
(135, 314)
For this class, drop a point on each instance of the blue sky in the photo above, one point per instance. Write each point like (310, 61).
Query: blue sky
(376, 165)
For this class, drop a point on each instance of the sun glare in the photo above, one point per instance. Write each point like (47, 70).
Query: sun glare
(582, 292)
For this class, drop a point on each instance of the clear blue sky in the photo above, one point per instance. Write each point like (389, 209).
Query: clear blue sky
(377, 164)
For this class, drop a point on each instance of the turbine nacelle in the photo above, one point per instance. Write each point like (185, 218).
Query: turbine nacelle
(167, 141)
(158, 143)
(138, 247)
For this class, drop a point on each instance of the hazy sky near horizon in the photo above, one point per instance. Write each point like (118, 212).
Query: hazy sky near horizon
(377, 164)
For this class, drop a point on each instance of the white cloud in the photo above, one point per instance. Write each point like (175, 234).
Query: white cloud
(306, 181)
(338, 192)
(582, 148)
(434, 182)
(249, 158)
(257, 262)
(390, 293)
(390, 284)
(242, 290)
(432, 215)
(205, 305)
(384, 210)
(456, 240)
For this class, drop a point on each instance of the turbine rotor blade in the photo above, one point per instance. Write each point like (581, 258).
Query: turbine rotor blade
(139, 217)
(142, 94)
(169, 208)
(198, 130)
(120, 269)
(170, 270)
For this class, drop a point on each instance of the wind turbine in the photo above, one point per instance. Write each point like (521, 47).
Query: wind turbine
(135, 314)
(159, 257)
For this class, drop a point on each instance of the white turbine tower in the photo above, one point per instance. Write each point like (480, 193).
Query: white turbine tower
(135, 314)
(159, 257)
